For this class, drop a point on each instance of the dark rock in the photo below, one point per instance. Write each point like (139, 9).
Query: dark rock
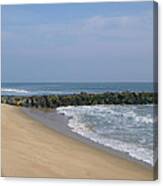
(53, 101)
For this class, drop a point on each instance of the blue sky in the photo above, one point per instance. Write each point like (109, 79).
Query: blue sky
(100, 42)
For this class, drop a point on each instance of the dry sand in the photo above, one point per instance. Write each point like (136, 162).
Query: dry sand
(30, 149)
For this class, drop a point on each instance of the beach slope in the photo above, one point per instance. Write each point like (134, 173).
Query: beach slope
(30, 149)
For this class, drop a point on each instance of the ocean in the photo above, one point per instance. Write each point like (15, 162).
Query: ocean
(129, 129)
(125, 128)
(25, 89)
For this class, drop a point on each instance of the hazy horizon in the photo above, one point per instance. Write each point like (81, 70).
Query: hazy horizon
(87, 42)
(85, 82)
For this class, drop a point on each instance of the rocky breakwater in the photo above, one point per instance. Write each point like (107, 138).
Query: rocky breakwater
(53, 101)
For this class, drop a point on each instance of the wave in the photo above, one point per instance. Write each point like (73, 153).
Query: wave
(14, 90)
(145, 119)
(121, 128)
(133, 150)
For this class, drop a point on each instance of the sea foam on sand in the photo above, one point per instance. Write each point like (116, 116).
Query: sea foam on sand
(128, 129)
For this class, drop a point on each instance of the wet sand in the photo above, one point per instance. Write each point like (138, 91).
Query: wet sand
(30, 149)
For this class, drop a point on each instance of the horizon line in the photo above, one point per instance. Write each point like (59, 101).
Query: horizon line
(86, 82)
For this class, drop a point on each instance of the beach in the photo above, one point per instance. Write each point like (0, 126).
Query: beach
(30, 149)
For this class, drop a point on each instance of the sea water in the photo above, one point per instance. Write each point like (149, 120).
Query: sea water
(26, 89)
(126, 128)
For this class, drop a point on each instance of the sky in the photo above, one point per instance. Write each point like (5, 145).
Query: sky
(99, 42)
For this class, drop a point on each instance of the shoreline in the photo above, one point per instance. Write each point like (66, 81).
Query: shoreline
(58, 122)
(30, 149)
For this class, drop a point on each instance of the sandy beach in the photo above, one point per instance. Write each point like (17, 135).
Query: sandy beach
(30, 149)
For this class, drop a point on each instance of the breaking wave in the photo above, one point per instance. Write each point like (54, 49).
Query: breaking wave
(12, 90)
(127, 128)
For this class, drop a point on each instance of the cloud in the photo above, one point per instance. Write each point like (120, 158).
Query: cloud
(122, 26)
(91, 26)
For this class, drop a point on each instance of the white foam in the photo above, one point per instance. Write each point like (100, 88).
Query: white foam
(132, 148)
(14, 90)
(22, 91)
(145, 119)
